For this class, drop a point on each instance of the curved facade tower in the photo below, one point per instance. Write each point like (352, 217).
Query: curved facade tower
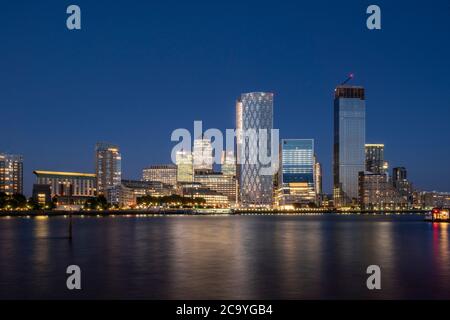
(254, 113)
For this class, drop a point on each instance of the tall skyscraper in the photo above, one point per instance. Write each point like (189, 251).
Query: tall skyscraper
(296, 174)
(108, 166)
(349, 142)
(254, 112)
(11, 173)
(375, 158)
(185, 167)
(202, 156)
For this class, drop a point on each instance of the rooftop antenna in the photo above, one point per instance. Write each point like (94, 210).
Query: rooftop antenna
(350, 77)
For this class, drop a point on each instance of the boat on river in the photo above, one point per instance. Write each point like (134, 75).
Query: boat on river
(439, 215)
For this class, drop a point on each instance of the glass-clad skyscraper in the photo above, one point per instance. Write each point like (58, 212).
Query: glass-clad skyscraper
(349, 142)
(254, 112)
(296, 174)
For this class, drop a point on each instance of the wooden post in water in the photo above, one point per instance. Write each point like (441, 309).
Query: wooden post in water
(70, 212)
(70, 225)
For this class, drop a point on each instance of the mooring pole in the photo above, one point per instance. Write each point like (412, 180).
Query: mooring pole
(70, 225)
(70, 212)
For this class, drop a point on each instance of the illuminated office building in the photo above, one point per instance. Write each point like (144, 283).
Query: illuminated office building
(349, 142)
(254, 113)
(185, 168)
(11, 174)
(108, 166)
(212, 198)
(166, 173)
(202, 155)
(296, 175)
(68, 187)
(375, 158)
(216, 181)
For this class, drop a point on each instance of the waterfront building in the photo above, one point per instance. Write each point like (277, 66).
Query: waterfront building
(212, 198)
(296, 184)
(11, 173)
(202, 155)
(349, 142)
(375, 162)
(108, 161)
(431, 199)
(377, 193)
(42, 194)
(166, 173)
(217, 181)
(185, 167)
(127, 193)
(70, 188)
(327, 201)
(254, 114)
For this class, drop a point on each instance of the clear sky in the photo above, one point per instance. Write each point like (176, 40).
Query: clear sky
(140, 69)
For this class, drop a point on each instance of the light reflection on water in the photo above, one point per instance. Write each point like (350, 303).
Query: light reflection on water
(213, 257)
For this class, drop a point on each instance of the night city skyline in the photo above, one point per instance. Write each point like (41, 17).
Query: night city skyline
(86, 87)
(239, 158)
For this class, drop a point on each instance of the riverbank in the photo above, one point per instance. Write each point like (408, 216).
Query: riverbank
(31, 213)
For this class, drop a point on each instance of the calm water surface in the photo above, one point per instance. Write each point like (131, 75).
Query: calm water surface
(225, 257)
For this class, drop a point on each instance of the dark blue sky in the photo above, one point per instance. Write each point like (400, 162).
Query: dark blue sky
(139, 69)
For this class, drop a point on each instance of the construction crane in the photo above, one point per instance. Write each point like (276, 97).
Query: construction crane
(350, 77)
